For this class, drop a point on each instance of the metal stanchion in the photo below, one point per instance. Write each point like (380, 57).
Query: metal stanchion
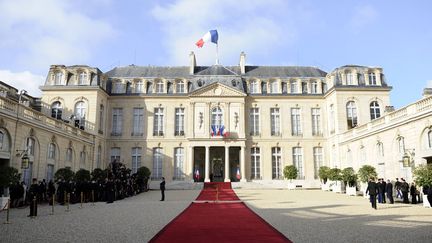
(93, 201)
(82, 198)
(34, 208)
(53, 202)
(67, 202)
(7, 212)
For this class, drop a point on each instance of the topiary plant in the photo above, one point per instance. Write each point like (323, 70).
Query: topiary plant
(290, 172)
(323, 173)
(335, 174)
(64, 173)
(366, 172)
(143, 175)
(82, 175)
(349, 177)
(423, 175)
(8, 175)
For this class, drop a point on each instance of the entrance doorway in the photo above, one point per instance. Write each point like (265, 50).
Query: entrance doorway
(216, 164)
(428, 160)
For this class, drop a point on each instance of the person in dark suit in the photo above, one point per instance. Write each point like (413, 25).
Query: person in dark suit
(389, 191)
(162, 188)
(33, 192)
(373, 191)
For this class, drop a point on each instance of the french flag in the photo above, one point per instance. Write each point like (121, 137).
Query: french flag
(238, 174)
(211, 36)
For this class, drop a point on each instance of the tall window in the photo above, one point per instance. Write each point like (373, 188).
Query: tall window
(276, 163)
(255, 163)
(318, 160)
(80, 112)
(254, 121)
(178, 163)
(351, 114)
(180, 87)
(58, 78)
(274, 87)
(99, 157)
(1, 140)
(332, 118)
(118, 87)
(82, 159)
(294, 87)
(349, 79)
(316, 121)
(158, 122)
(31, 146)
(362, 155)
(101, 118)
(401, 145)
(50, 172)
(216, 118)
(69, 154)
(374, 110)
(56, 110)
(136, 159)
(304, 87)
(296, 122)
(115, 154)
(275, 121)
(138, 121)
(298, 161)
(430, 139)
(117, 120)
(51, 151)
(314, 87)
(349, 158)
(157, 163)
(179, 121)
(82, 78)
(159, 87)
(380, 150)
(254, 87)
(372, 78)
(28, 174)
(139, 86)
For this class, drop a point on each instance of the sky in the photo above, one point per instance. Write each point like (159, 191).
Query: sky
(393, 34)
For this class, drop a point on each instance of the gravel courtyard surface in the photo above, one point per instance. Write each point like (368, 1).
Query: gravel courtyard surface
(317, 216)
(302, 215)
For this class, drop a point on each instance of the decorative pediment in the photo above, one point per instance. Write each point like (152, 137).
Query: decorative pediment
(217, 90)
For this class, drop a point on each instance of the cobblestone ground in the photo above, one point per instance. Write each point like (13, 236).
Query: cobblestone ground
(303, 216)
(317, 216)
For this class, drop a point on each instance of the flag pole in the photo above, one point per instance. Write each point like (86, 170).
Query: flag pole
(217, 54)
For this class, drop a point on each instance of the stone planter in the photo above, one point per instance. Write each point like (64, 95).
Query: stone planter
(3, 202)
(291, 186)
(426, 203)
(326, 186)
(363, 188)
(351, 191)
(336, 186)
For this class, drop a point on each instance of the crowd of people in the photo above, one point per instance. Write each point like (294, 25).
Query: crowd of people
(404, 191)
(118, 183)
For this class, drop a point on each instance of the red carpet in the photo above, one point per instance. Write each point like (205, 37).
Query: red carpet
(215, 191)
(218, 222)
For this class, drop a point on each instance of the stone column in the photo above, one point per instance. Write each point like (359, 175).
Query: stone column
(227, 169)
(207, 164)
(242, 164)
(191, 163)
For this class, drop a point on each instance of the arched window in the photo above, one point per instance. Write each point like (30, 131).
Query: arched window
(401, 145)
(430, 138)
(69, 154)
(51, 151)
(1, 140)
(159, 87)
(30, 146)
(216, 120)
(58, 78)
(374, 110)
(180, 88)
(380, 150)
(254, 87)
(274, 87)
(56, 110)
(372, 78)
(351, 114)
(82, 78)
(80, 112)
(82, 159)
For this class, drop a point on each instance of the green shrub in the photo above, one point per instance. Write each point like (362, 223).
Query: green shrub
(82, 175)
(423, 175)
(64, 173)
(349, 176)
(290, 172)
(335, 174)
(323, 173)
(366, 172)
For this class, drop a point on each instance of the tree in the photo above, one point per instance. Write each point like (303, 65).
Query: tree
(99, 174)
(143, 175)
(290, 172)
(349, 177)
(335, 174)
(82, 175)
(64, 173)
(8, 175)
(323, 173)
(366, 172)
(423, 175)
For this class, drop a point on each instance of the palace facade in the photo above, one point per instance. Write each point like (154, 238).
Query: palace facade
(219, 123)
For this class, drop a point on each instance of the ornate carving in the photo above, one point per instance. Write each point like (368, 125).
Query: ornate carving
(32, 132)
(2, 123)
(53, 139)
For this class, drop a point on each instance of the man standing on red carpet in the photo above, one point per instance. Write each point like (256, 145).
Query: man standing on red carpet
(162, 188)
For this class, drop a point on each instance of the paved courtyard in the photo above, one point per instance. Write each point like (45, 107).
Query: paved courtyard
(303, 216)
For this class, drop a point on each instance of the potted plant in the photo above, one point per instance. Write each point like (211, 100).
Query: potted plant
(323, 174)
(143, 175)
(8, 176)
(365, 172)
(82, 175)
(349, 177)
(290, 173)
(64, 173)
(335, 177)
(423, 178)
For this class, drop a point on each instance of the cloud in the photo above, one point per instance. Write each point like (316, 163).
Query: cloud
(23, 80)
(44, 32)
(254, 26)
(363, 16)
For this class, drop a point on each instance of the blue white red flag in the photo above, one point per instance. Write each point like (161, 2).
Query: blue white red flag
(211, 36)
(197, 174)
(238, 174)
(213, 130)
(222, 131)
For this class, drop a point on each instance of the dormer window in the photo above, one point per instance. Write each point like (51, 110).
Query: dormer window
(180, 88)
(139, 86)
(58, 78)
(254, 87)
(82, 78)
(304, 88)
(118, 87)
(294, 87)
(349, 79)
(372, 78)
(159, 87)
(274, 87)
(314, 87)
(56, 110)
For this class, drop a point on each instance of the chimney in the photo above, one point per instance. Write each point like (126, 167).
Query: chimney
(242, 63)
(192, 63)
(427, 92)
